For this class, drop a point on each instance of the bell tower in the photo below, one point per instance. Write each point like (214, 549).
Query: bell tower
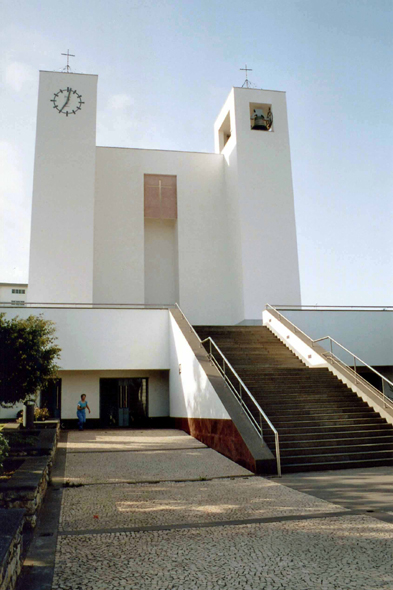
(61, 244)
(251, 133)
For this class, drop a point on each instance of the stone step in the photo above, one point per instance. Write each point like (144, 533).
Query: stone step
(310, 405)
(277, 374)
(291, 395)
(338, 457)
(322, 424)
(295, 429)
(305, 414)
(333, 465)
(290, 452)
(336, 442)
(378, 430)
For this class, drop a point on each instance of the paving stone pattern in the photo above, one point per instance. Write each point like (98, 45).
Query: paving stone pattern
(309, 551)
(120, 506)
(129, 440)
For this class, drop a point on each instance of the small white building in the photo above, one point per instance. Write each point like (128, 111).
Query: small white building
(13, 293)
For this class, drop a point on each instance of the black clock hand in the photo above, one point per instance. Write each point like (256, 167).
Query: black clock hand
(66, 102)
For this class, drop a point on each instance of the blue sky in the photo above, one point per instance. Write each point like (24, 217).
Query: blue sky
(165, 69)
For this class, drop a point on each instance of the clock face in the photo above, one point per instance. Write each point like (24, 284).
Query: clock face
(67, 101)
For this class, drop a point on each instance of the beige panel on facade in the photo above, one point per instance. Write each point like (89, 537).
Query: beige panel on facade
(160, 196)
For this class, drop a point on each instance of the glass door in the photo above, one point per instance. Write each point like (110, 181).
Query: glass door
(124, 402)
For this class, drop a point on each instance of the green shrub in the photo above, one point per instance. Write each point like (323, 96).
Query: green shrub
(41, 414)
(4, 449)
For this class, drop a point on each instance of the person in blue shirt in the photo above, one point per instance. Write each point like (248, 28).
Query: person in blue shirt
(81, 411)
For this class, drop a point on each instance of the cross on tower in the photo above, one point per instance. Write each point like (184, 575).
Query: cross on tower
(246, 83)
(68, 54)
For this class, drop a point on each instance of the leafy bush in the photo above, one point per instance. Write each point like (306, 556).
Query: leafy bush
(4, 449)
(41, 414)
(28, 354)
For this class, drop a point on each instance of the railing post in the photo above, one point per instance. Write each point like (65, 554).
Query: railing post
(278, 458)
(354, 368)
(241, 393)
(260, 424)
(210, 350)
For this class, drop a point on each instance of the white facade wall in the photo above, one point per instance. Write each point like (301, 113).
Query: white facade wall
(261, 182)
(109, 343)
(10, 413)
(161, 261)
(229, 152)
(107, 339)
(234, 242)
(207, 285)
(191, 393)
(368, 334)
(61, 248)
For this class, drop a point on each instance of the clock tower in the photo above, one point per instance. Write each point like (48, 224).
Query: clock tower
(62, 227)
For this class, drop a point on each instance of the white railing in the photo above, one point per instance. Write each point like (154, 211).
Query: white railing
(332, 358)
(238, 388)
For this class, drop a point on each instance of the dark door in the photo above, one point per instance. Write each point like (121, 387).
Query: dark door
(51, 398)
(123, 402)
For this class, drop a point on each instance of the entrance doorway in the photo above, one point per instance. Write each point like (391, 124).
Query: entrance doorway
(51, 397)
(123, 402)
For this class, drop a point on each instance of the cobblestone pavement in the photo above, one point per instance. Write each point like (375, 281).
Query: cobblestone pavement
(150, 455)
(245, 533)
(120, 506)
(129, 440)
(150, 466)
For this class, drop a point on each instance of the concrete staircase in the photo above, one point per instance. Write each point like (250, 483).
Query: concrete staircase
(322, 424)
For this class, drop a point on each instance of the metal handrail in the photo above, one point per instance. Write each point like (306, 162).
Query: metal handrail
(189, 325)
(60, 305)
(353, 355)
(238, 394)
(295, 329)
(359, 378)
(290, 307)
(239, 397)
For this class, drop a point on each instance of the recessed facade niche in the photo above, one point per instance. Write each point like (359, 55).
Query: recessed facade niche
(161, 259)
(160, 196)
(225, 131)
(261, 117)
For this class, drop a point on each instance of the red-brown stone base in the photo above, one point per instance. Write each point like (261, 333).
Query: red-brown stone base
(220, 435)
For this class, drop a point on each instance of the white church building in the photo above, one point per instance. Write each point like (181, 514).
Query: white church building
(120, 235)
(214, 232)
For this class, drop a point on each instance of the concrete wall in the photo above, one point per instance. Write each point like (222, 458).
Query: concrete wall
(191, 394)
(74, 383)
(259, 186)
(267, 216)
(107, 339)
(368, 334)
(229, 152)
(10, 413)
(61, 249)
(234, 247)
(207, 286)
(98, 343)
(6, 294)
(161, 261)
